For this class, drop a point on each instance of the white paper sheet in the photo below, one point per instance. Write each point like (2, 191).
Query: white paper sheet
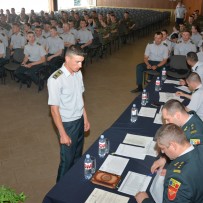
(150, 151)
(114, 165)
(183, 88)
(147, 112)
(158, 118)
(134, 183)
(138, 140)
(165, 96)
(102, 196)
(157, 188)
(131, 151)
(172, 82)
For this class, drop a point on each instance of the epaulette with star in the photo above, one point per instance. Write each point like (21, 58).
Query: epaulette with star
(178, 166)
(165, 44)
(38, 44)
(57, 74)
(151, 42)
(192, 42)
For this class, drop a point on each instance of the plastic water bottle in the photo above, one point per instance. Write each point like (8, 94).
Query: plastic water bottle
(163, 74)
(102, 146)
(144, 98)
(88, 167)
(157, 85)
(133, 114)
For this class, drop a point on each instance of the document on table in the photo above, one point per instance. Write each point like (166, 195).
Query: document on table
(183, 88)
(138, 140)
(114, 165)
(165, 96)
(176, 82)
(134, 183)
(158, 118)
(157, 188)
(131, 151)
(150, 149)
(147, 112)
(102, 196)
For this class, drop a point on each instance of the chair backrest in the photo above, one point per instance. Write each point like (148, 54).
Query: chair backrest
(18, 55)
(178, 62)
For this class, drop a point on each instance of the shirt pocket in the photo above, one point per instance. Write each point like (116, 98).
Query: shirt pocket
(66, 97)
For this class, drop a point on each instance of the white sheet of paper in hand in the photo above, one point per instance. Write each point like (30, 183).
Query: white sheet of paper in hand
(158, 118)
(102, 196)
(183, 88)
(147, 112)
(165, 96)
(172, 82)
(138, 140)
(131, 151)
(114, 165)
(157, 188)
(134, 183)
(150, 149)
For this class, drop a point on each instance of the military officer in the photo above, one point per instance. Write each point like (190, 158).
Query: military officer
(55, 48)
(39, 37)
(155, 57)
(184, 177)
(46, 30)
(84, 35)
(72, 29)
(32, 62)
(196, 99)
(166, 41)
(66, 89)
(18, 40)
(113, 27)
(185, 45)
(2, 53)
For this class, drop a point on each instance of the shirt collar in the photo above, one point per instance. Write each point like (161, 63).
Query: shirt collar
(195, 66)
(65, 71)
(187, 150)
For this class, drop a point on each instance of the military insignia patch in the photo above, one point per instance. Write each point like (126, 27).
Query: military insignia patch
(57, 74)
(173, 187)
(195, 141)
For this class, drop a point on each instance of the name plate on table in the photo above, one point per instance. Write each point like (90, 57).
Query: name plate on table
(106, 179)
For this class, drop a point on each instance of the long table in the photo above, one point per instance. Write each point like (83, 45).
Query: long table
(73, 188)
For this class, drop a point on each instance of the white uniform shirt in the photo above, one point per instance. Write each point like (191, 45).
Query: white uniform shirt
(196, 102)
(167, 43)
(18, 40)
(54, 44)
(66, 90)
(183, 48)
(42, 40)
(84, 36)
(198, 68)
(34, 51)
(75, 32)
(2, 49)
(196, 38)
(45, 34)
(180, 11)
(156, 52)
(68, 37)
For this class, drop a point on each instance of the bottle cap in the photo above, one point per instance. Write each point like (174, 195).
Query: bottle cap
(87, 156)
(134, 105)
(144, 90)
(102, 136)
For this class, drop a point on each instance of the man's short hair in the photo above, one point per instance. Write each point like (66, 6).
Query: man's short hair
(164, 30)
(192, 56)
(158, 33)
(193, 77)
(31, 32)
(53, 28)
(75, 50)
(174, 36)
(172, 106)
(38, 27)
(170, 133)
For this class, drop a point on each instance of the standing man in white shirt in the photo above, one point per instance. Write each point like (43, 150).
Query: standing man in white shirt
(180, 13)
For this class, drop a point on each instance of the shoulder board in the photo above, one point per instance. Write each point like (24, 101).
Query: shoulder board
(21, 34)
(151, 42)
(38, 44)
(60, 37)
(165, 44)
(88, 30)
(57, 74)
(72, 34)
(44, 37)
(0, 41)
(192, 42)
(3, 34)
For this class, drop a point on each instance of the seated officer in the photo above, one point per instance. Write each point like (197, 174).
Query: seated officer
(196, 99)
(39, 37)
(2, 54)
(84, 35)
(55, 48)
(184, 177)
(155, 57)
(32, 62)
(18, 40)
(185, 45)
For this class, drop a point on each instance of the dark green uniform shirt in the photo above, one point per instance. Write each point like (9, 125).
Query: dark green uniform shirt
(193, 129)
(184, 179)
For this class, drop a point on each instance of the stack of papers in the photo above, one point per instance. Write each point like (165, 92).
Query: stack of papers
(102, 196)
(183, 88)
(158, 118)
(176, 82)
(147, 112)
(165, 96)
(114, 165)
(134, 183)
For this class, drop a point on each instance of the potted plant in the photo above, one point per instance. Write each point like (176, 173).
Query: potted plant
(8, 195)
